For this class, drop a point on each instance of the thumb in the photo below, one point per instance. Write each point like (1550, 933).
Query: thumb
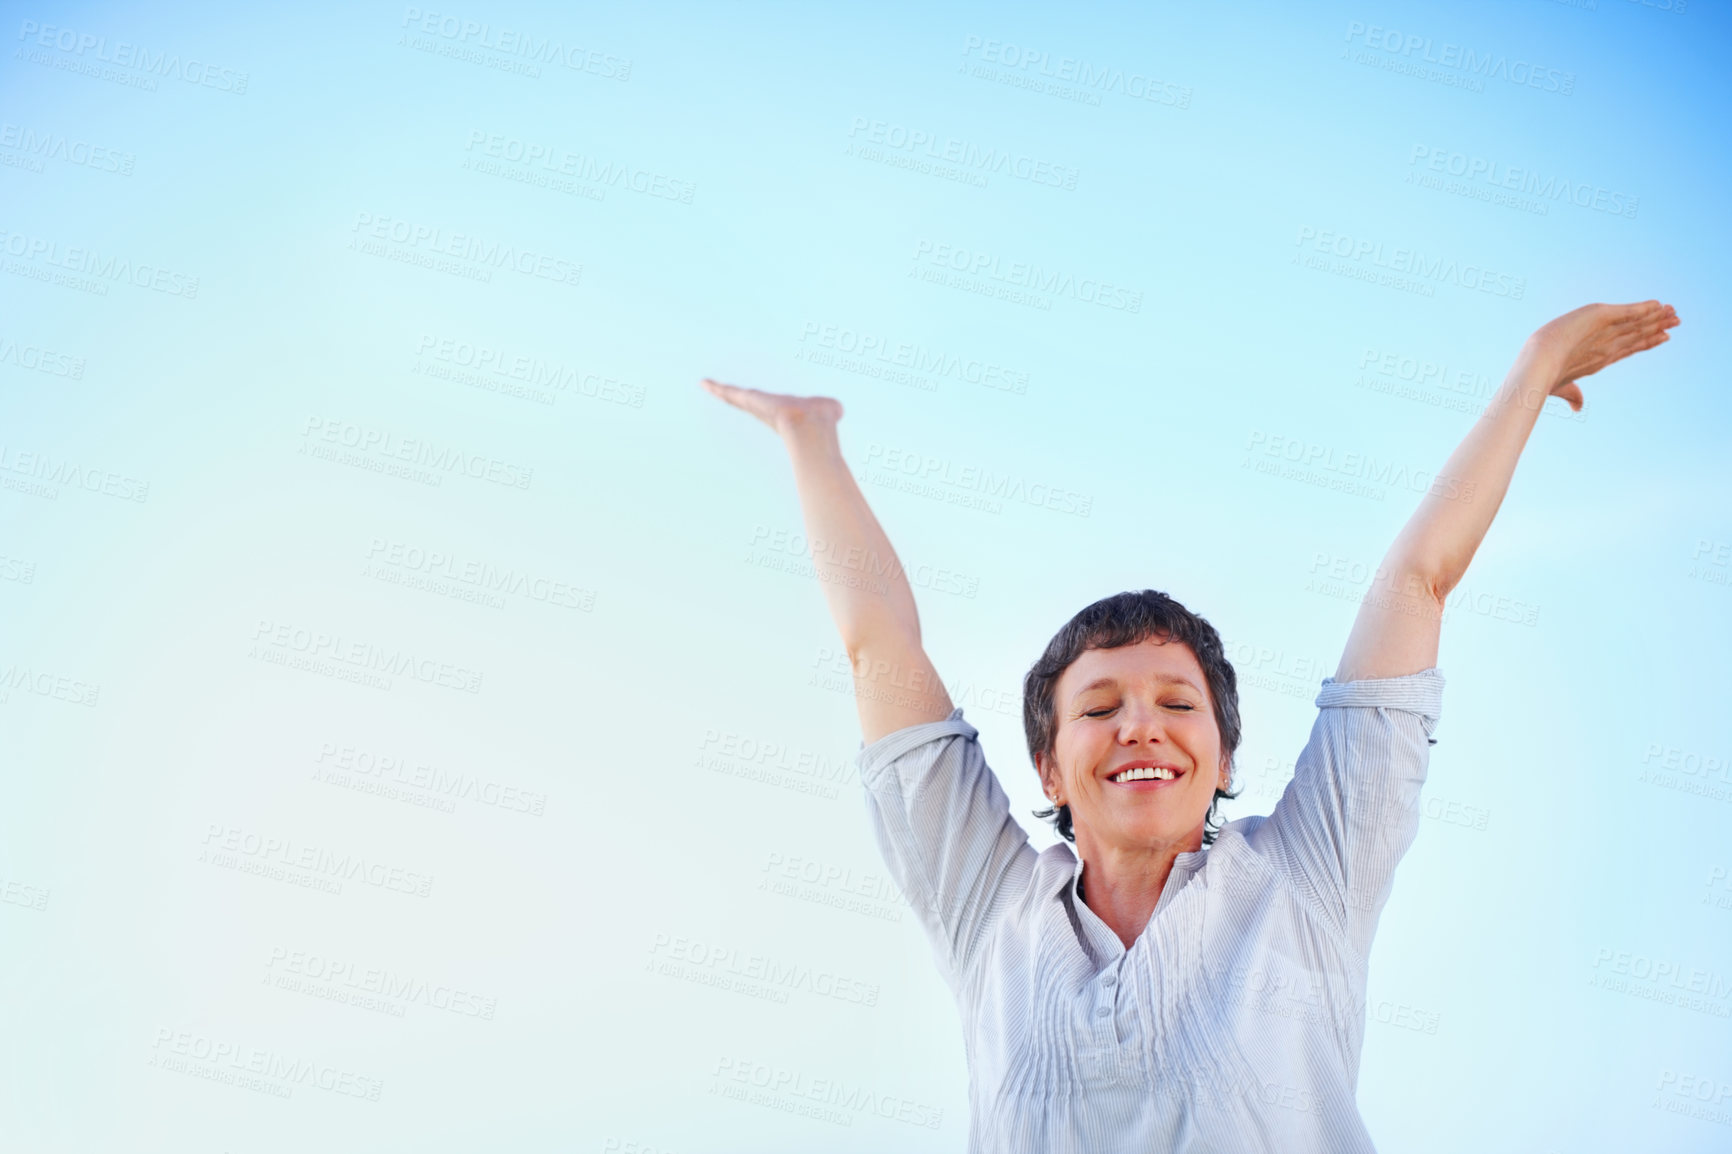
(1569, 392)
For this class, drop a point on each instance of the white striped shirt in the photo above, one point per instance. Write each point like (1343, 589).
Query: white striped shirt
(1234, 1021)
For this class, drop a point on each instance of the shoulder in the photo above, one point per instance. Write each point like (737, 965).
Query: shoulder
(1050, 874)
(917, 740)
(1418, 692)
(1243, 865)
(1238, 850)
(1057, 860)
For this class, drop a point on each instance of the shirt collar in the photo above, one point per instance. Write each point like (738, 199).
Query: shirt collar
(1185, 864)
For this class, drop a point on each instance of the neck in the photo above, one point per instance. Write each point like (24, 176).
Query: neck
(1124, 885)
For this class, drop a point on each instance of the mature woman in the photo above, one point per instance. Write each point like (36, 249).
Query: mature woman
(1167, 986)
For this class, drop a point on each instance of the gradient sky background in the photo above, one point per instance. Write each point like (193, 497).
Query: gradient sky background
(593, 865)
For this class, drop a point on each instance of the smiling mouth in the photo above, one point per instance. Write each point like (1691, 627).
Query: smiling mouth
(1147, 776)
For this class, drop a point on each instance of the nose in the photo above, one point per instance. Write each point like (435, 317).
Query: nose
(1141, 722)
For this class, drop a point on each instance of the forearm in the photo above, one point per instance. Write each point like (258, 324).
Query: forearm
(861, 576)
(1446, 529)
(1400, 618)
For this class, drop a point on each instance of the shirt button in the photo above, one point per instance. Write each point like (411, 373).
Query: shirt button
(1109, 979)
(1103, 1012)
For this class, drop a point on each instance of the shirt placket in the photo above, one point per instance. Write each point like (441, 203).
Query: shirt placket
(1114, 1052)
(1107, 1045)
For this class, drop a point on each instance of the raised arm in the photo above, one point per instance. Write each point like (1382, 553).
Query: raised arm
(942, 822)
(1396, 632)
(895, 685)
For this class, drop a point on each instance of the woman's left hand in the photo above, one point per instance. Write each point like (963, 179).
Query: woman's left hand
(1585, 341)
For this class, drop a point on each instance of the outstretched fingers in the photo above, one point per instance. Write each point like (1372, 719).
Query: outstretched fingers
(1645, 330)
(753, 401)
(781, 411)
(733, 394)
(1645, 316)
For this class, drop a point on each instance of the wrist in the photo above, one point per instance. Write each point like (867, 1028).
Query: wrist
(800, 430)
(1539, 363)
(1537, 371)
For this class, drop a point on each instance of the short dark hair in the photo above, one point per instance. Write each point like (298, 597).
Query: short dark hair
(1128, 619)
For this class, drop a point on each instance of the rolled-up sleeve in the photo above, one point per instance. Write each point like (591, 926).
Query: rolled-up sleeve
(1352, 809)
(944, 827)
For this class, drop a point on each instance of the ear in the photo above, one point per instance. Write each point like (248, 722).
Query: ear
(1044, 768)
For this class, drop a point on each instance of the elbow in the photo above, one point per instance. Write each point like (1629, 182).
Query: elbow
(863, 646)
(1428, 582)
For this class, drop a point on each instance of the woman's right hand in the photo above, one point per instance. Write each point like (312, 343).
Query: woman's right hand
(783, 412)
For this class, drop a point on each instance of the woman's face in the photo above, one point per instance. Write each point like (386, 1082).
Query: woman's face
(1139, 705)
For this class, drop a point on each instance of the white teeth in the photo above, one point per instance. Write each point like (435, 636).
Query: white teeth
(1146, 774)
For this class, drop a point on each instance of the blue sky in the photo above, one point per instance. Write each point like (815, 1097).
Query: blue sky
(364, 523)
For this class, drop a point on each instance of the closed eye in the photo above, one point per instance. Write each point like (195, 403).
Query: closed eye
(1175, 705)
